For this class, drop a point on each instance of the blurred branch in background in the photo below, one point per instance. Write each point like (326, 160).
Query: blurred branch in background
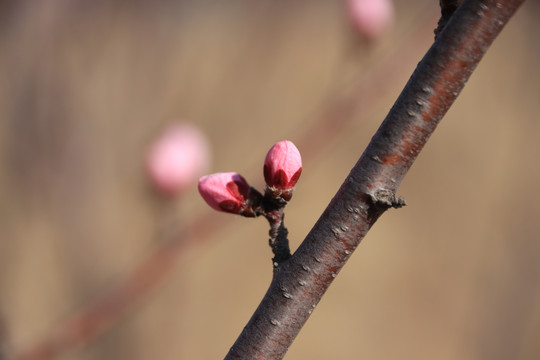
(95, 318)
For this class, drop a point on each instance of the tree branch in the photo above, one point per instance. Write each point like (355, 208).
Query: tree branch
(300, 281)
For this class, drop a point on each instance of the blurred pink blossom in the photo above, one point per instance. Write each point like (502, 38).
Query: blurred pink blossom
(177, 158)
(226, 192)
(371, 17)
(282, 166)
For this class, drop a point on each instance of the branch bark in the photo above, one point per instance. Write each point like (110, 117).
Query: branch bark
(299, 282)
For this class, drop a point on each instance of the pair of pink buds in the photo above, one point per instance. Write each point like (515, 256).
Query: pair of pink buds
(230, 192)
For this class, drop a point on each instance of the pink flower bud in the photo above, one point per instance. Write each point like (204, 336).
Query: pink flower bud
(227, 192)
(371, 17)
(177, 158)
(282, 166)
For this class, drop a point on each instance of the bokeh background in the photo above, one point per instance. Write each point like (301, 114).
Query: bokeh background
(85, 86)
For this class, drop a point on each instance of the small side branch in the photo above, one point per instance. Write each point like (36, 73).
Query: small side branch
(273, 204)
(278, 239)
(448, 7)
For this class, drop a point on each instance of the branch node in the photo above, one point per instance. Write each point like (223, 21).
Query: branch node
(386, 199)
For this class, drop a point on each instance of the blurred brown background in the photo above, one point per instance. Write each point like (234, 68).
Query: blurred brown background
(86, 85)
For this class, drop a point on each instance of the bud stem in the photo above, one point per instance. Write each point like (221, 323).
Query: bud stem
(278, 237)
(274, 204)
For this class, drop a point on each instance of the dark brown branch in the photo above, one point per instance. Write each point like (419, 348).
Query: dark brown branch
(300, 282)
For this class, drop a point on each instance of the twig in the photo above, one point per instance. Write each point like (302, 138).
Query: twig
(448, 7)
(300, 282)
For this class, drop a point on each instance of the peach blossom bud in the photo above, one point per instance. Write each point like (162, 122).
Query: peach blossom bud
(227, 192)
(282, 166)
(177, 158)
(371, 17)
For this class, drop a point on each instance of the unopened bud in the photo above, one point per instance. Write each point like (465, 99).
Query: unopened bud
(229, 192)
(282, 166)
(371, 17)
(177, 158)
